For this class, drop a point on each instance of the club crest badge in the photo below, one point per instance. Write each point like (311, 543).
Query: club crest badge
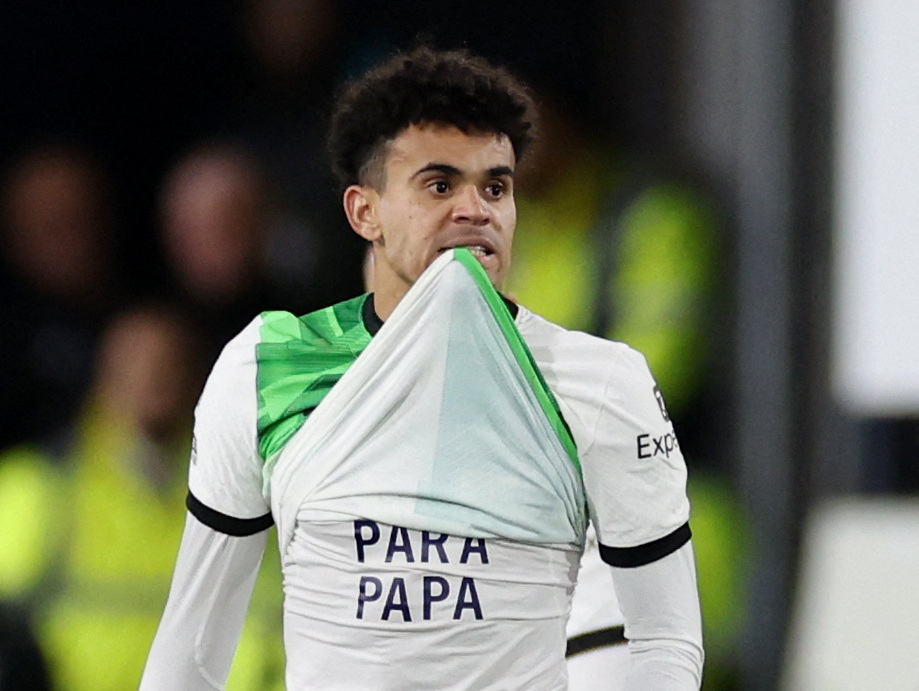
(660, 403)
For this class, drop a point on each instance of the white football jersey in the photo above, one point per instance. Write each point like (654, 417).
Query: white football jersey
(432, 480)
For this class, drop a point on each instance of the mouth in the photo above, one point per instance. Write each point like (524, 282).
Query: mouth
(478, 251)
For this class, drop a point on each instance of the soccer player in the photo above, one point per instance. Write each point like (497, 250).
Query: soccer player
(431, 453)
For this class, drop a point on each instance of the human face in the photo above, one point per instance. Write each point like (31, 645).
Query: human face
(443, 188)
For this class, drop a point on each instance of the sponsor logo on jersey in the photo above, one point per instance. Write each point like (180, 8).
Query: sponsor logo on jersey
(650, 446)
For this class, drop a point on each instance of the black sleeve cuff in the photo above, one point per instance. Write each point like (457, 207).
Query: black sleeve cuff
(595, 640)
(630, 557)
(228, 525)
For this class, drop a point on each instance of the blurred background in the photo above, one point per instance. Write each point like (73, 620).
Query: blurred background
(727, 186)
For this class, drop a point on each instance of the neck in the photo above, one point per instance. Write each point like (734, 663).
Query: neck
(388, 286)
(385, 301)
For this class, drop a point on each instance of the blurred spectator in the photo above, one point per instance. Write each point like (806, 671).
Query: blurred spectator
(291, 57)
(624, 249)
(216, 217)
(59, 286)
(104, 572)
(290, 53)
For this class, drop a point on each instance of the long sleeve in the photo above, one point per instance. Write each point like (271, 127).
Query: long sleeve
(200, 628)
(663, 623)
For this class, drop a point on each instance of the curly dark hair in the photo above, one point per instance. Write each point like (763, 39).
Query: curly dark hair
(450, 87)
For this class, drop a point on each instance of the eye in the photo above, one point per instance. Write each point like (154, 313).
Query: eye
(439, 186)
(495, 189)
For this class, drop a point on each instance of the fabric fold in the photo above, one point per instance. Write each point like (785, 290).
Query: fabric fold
(441, 423)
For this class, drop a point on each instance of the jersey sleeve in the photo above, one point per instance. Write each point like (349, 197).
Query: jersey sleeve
(660, 603)
(634, 472)
(201, 623)
(225, 472)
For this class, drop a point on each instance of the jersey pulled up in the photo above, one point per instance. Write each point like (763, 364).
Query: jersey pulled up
(432, 480)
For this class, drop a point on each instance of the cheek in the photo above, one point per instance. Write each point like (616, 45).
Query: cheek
(509, 223)
(409, 229)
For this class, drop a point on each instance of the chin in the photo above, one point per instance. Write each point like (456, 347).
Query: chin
(497, 282)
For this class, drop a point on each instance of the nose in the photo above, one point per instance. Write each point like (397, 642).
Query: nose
(470, 207)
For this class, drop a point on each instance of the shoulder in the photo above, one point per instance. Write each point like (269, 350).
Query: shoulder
(576, 359)
(605, 389)
(634, 472)
(272, 334)
(322, 326)
(279, 368)
(241, 348)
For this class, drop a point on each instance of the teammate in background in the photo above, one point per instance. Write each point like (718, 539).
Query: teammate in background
(430, 452)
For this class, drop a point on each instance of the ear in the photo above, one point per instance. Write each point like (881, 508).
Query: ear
(361, 209)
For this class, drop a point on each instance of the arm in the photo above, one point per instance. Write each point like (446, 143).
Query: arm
(635, 478)
(201, 625)
(225, 531)
(660, 603)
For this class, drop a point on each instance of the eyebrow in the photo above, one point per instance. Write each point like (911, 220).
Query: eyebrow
(453, 171)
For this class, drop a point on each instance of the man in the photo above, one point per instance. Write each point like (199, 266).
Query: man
(430, 452)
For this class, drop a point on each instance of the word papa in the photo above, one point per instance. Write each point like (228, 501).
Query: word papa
(409, 598)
